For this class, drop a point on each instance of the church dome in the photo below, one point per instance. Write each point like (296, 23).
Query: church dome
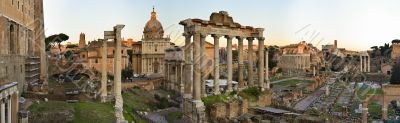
(153, 28)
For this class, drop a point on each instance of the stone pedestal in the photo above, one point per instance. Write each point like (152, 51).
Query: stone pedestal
(194, 110)
(23, 116)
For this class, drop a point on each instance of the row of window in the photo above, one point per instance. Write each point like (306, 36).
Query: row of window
(22, 7)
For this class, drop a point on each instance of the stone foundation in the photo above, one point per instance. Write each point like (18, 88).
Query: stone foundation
(194, 110)
(225, 112)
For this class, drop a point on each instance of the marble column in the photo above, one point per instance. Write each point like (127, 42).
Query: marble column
(313, 70)
(241, 66)
(361, 63)
(369, 64)
(181, 74)
(176, 82)
(203, 63)
(14, 107)
(104, 72)
(364, 115)
(250, 60)
(216, 64)
(9, 114)
(168, 78)
(117, 76)
(365, 63)
(188, 66)
(3, 111)
(229, 63)
(267, 69)
(196, 66)
(261, 62)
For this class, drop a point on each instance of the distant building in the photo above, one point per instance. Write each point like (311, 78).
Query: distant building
(299, 58)
(148, 54)
(90, 56)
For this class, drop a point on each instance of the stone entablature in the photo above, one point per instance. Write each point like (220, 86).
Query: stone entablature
(174, 54)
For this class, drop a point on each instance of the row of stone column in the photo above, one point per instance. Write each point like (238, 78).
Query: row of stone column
(198, 60)
(174, 77)
(116, 35)
(365, 63)
(9, 108)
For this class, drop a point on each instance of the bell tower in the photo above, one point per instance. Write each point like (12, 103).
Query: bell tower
(82, 41)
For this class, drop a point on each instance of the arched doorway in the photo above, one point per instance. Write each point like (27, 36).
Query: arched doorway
(156, 66)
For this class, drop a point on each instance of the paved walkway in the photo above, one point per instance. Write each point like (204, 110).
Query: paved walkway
(278, 81)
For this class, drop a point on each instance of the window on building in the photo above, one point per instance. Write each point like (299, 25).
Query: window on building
(12, 39)
(96, 61)
(18, 5)
(12, 2)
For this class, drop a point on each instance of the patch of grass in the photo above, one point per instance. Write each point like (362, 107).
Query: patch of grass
(90, 112)
(374, 110)
(210, 100)
(84, 112)
(175, 115)
(251, 94)
(49, 106)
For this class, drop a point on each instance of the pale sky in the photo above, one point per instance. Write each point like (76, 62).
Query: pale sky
(356, 24)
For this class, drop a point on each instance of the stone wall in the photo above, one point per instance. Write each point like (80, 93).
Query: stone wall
(143, 84)
(224, 112)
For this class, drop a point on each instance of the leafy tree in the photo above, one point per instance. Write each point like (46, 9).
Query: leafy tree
(52, 40)
(130, 54)
(395, 78)
(68, 54)
(127, 73)
(272, 50)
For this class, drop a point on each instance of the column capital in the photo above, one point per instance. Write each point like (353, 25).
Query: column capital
(240, 38)
(261, 38)
(250, 38)
(203, 35)
(228, 37)
(216, 36)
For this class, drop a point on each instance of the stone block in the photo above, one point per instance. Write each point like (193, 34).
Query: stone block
(218, 110)
(232, 109)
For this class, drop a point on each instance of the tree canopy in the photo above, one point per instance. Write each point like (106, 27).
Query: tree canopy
(52, 40)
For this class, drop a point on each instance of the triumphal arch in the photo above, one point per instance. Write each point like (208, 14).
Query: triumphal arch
(219, 25)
